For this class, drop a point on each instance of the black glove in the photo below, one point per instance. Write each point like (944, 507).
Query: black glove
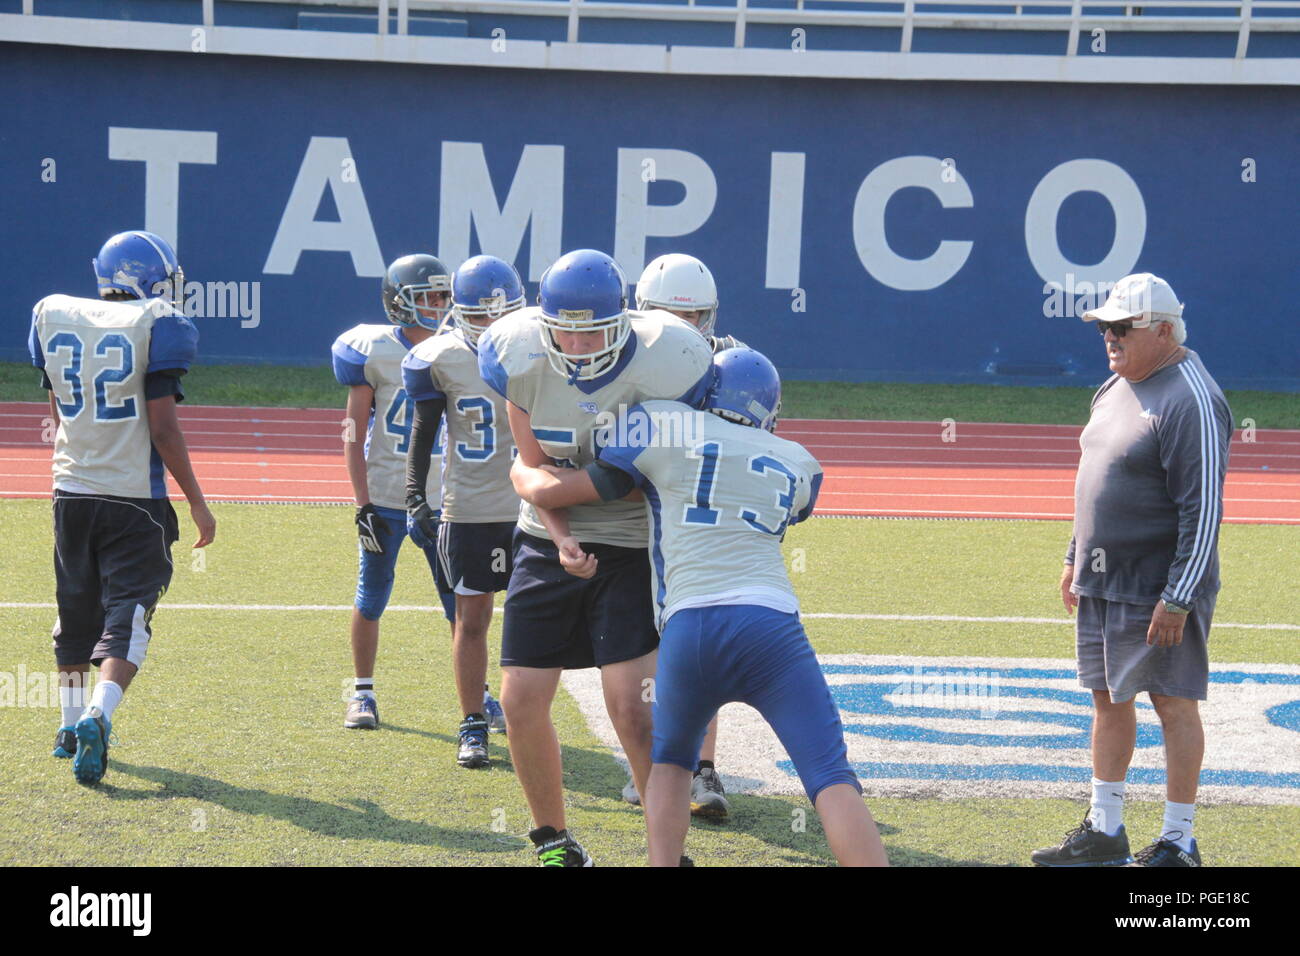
(370, 525)
(421, 522)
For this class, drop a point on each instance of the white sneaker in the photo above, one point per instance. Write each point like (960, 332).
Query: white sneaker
(496, 717)
(630, 795)
(708, 798)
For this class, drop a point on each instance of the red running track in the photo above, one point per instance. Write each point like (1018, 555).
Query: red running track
(887, 469)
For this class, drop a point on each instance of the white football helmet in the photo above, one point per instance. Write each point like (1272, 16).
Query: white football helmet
(680, 283)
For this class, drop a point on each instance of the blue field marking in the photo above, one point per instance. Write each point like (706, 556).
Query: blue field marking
(1252, 677)
(1052, 774)
(919, 692)
(870, 698)
(1045, 673)
(1286, 716)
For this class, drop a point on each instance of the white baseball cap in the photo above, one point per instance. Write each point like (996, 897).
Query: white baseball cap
(1141, 294)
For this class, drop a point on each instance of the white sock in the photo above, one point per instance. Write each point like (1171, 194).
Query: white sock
(73, 701)
(364, 687)
(1107, 811)
(106, 697)
(1178, 824)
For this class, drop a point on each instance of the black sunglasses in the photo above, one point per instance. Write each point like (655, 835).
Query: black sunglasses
(1119, 328)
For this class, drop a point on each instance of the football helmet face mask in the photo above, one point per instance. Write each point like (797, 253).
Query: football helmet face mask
(680, 283)
(411, 285)
(583, 292)
(142, 264)
(746, 389)
(483, 289)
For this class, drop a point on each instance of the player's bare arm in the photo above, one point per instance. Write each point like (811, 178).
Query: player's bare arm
(165, 433)
(550, 487)
(527, 472)
(360, 400)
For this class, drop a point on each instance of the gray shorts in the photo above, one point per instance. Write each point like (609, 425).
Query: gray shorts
(1111, 641)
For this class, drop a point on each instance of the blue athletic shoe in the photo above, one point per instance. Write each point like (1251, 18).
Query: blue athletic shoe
(91, 759)
(65, 743)
(496, 717)
(473, 749)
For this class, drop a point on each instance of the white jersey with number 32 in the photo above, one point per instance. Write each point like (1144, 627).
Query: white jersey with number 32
(97, 355)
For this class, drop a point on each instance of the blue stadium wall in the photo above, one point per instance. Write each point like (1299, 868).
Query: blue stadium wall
(924, 274)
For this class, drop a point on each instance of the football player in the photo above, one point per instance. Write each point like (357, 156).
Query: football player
(560, 366)
(368, 359)
(721, 491)
(684, 286)
(479, 504)
(113, 367)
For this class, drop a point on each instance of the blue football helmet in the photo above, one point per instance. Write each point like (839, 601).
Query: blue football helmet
(746, 389)
(409, 282)
(483, 289)
(584, 291)
(142, 264)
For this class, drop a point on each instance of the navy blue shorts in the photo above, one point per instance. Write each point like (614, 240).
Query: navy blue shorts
(112, 562)
(553, 619)
(375, 575)
(476, 558)
(712, 656)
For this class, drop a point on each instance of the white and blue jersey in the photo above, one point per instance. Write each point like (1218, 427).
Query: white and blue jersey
(720, 497)
(476, 486)
(372, 355)
(663, 358)
(102, 361)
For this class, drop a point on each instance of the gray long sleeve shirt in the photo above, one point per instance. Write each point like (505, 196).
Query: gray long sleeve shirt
(1148, 496)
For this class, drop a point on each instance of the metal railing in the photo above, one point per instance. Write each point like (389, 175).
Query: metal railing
(1068, 16)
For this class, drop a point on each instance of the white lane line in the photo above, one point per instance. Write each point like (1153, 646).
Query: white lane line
(429, 608)
(245, 463)
(966, 496)
(206, 478)
(1063, 480)
(957, 448)
(1012, 465)
(1027, 515)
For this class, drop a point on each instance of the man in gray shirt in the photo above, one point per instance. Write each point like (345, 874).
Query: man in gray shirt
(1142, 566)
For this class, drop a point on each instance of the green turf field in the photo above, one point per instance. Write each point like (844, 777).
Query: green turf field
(314, 387)
(231, 748)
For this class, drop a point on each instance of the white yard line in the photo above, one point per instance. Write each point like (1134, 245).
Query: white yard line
(429, 608)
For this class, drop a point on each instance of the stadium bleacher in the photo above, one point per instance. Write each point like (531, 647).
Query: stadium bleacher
(1170, 28)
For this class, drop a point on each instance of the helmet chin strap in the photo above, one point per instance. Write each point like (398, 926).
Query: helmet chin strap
(577, 367)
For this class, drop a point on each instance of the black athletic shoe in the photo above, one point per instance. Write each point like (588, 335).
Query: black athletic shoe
(65, 742)
(473, 750)
(1165, 852)
(558, 849)
(1084, 846)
